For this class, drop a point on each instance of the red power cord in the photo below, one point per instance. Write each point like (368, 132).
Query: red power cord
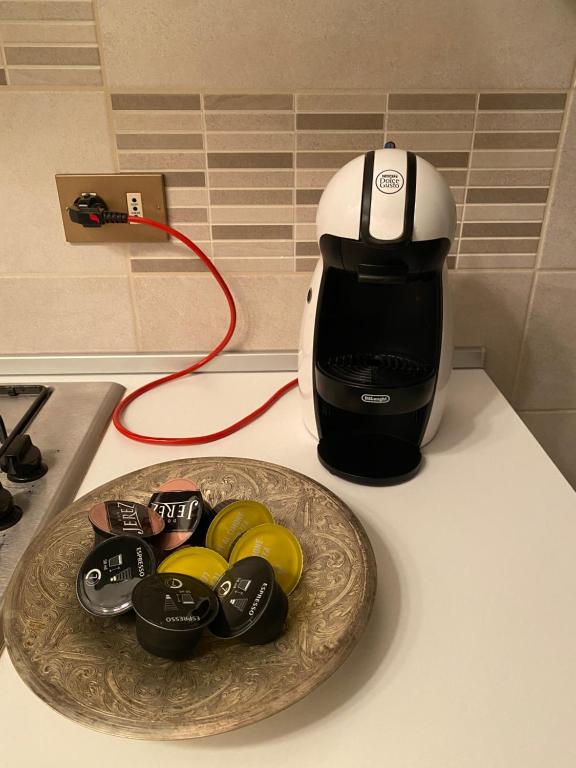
(121, 407)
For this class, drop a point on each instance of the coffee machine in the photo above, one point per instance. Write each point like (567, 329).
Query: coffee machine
(376, 339)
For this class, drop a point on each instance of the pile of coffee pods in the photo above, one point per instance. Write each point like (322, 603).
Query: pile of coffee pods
(183, 567)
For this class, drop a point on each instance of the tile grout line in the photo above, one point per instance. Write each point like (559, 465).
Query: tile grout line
(116, 162)
(204, 127)
(544, 232)
(467, 182)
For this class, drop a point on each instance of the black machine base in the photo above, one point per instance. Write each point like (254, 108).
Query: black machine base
(369, 459)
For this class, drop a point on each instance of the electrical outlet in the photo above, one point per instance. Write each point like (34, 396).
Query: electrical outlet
(134, 203)
(116, 189)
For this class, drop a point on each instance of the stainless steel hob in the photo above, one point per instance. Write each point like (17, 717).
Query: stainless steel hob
(48, 437)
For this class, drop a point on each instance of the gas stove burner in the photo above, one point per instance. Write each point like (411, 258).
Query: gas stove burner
(10, 513)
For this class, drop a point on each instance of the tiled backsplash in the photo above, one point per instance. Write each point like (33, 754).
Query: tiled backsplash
(248, 108)
(245, 171)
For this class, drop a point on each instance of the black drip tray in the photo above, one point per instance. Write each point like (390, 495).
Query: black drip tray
(375, 368)
(369, 459)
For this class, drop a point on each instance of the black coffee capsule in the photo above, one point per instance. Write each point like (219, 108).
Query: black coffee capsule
(253, 606)
(171, 611)
(110, 572)
(186, 514)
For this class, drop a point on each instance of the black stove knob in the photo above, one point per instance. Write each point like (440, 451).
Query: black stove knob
(22, 462)
(9, 512)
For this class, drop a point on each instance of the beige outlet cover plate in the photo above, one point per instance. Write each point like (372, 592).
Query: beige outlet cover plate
(113, 188)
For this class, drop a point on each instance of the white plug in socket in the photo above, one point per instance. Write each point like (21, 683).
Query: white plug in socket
(134, 202)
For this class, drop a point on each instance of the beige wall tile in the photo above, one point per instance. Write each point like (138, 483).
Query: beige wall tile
(160, 161)
(250, 160)
(305, 231)
(306, 264)
(507, 195)
(255, 265)
(432, 101)
(556, 433)
(251, 197)
(489, 311)
(547, 374)
(430, 121)
(56, 77)
(185, 179)
(62, 11)
(52, 55)
(456, 178)
(519, 121)
(362, 142)
(43, 32)
(196, 215)
(167, 265)
(510, 177)
(155, 100)
(246, 179)
(66, 314)
(559, 247)
(172, 249)
(496, 260)
(196, 232)
(333, 160)
(313, 179)
(251, 232)
(306, 214)
(230, 142)
(175, 197)
(235, 101)
(502, 229)
(163, 121)
(308, 196)
(522, 101)
(502, 245)
(447, 159)
(65, 116)
(516, 140)
(2, 77)
(341, 102)
(273, 249)
(159, 141)
(271, 214)
(504, 212)
(307, 248)
(516, 159)
(249, 121)
(195, 314)
(222, 46)
(424, 140)
(340, 122)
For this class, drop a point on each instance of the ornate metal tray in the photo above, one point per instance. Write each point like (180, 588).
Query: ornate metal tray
(93, 670)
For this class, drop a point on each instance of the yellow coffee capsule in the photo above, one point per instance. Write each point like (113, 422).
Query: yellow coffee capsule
(278, 546)
(200, 563)
(234, 520)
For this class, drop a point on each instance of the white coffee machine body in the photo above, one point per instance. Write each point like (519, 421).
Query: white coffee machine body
(387, 219)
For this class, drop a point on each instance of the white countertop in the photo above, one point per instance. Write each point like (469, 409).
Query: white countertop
(469, 660)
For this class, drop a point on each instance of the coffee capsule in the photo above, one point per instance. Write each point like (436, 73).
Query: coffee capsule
(234, 520)
(110, 572)
(201, 563)
(185, 513)
(278, 546)
(253, 606)
(221, 504)
(171, 612)
(124, 518)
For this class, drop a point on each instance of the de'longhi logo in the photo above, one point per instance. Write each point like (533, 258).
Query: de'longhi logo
(376, 399)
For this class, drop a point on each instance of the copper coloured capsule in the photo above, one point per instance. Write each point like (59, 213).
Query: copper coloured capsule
(124, 518)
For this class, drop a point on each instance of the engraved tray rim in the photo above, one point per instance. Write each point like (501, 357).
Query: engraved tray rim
(114, 725)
